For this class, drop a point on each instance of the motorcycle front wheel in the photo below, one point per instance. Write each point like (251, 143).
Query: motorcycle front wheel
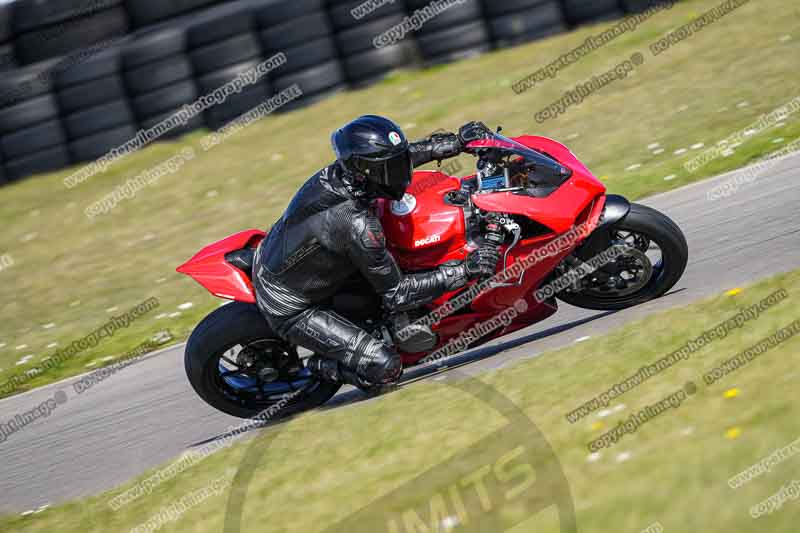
(657, 259)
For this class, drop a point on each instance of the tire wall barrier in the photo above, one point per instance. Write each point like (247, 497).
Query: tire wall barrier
(8, 60)
(80, 77)
(302, 31)
(32, 136)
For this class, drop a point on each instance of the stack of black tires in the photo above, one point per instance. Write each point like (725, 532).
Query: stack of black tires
(224, 44)
(512, 22)
(32, 137)
(159, 77)
(53, 28)
(8, 60)
(637, 6)
(150, 12)
(86, 87)
(95, 107)
(356, 35)
(583, 11)
(301, 30)
(456, 33)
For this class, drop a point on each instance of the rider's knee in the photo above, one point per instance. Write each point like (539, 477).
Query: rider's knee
(383, 366)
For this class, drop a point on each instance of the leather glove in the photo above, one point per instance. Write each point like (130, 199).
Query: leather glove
(445, 145)
(482, 263)
(472, 132)
(453, 275)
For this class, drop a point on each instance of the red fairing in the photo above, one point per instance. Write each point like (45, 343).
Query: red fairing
(498, 299)
(210, 269)
(423, 231)
(559, 210)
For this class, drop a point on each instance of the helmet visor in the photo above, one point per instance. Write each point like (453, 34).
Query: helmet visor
(391, 175)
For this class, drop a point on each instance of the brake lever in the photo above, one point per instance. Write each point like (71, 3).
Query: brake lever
(514, 228)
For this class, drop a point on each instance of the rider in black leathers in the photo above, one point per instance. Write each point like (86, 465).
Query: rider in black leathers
(330, 231)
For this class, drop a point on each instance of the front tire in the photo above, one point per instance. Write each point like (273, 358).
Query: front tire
(657, 229)
(216, 373)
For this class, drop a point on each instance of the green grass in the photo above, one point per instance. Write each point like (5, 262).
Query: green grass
(69, 270)
(322, 466)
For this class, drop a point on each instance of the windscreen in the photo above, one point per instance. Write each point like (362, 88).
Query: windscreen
(520, 149)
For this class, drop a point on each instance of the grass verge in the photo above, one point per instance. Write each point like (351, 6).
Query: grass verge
(322, 466)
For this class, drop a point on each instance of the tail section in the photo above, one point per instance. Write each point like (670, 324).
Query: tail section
(222, 270)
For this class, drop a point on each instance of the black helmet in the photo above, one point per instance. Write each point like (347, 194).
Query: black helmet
(375, 150)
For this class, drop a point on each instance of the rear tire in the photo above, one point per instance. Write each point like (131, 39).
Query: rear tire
(675, 254)
(238, 324)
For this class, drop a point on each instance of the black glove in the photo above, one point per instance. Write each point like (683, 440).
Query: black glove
(482, 263)
(472, 132)
(444, 146)
(435, 148)
(453, 275)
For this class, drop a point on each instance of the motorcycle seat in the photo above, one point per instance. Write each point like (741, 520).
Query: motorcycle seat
(243, 260)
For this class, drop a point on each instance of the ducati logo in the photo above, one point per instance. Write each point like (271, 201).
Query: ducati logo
(395, 138)
(427, 240)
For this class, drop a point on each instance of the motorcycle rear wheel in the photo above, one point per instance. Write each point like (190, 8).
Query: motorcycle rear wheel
(214, 362)
(656, 228)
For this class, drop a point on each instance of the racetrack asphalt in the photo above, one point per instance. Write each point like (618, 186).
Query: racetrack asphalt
(148, 414)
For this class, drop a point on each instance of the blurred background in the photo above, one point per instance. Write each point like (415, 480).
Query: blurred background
(81, 77)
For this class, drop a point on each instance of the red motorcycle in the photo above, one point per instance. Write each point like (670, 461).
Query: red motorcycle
(529, 193)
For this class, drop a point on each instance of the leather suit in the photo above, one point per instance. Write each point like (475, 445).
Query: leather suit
(328, 233)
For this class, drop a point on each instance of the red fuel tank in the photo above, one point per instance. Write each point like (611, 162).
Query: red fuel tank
(422, 230)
